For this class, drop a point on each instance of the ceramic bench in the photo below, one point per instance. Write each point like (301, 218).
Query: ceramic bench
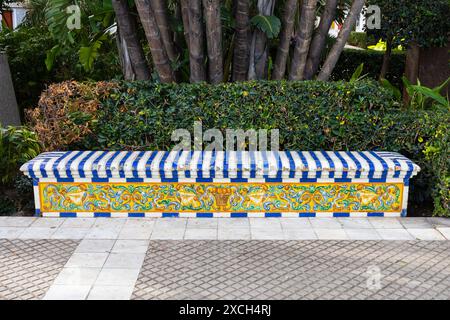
(220, 184)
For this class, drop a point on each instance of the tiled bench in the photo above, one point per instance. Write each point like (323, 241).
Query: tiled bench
(220, 184)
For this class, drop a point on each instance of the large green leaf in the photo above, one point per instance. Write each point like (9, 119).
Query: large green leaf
(270, 25)
(88, 55)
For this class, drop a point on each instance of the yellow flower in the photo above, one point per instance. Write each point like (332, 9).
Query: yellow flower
(245, 93)
(420, 139)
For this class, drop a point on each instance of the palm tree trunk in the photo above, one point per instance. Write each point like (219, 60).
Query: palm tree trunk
(279, 68)
(214, 40)
(162, 20)
(196, 50)
(241, 49)
(185, 17)
(336, 51)
(158, 51)
(320, 39)
(129, 43)
(259, 50)
(303, 41)
(386, 59)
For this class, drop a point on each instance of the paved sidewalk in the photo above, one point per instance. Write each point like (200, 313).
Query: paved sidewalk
(223, 258)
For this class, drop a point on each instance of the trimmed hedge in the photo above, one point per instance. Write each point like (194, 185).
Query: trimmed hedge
(373, 60)
(310, 116)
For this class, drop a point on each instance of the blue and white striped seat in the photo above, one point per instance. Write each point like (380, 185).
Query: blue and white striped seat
(220, 167)
(301, 166)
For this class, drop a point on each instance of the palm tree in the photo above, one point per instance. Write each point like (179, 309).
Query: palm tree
(241, 49)
(196, 42)
(319, 40)
(342, 38)
(303, 40)
(159, 54)
(130, 48)
(290, 9)
(214, 40)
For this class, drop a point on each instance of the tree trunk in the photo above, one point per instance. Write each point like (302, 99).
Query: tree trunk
(185, 17)
(159, 54)
(386, 59)
(196, 50)
(320, 39)
(342, 38)
(214, 40)
(162, 20)
(129, 41)
(259, 50)
(303, 41)
(241, 49)
(279, 68)
(124, 57)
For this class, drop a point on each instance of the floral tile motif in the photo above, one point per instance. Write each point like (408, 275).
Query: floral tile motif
(221, 197)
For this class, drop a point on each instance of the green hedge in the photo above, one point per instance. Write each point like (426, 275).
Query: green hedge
(310, 116)
(373, 60)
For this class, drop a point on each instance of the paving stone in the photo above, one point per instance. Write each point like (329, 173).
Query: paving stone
(136, 233)
(37, 233)
(234, 233)
(130, 246)
(78, 223)
(86, 260)
(362, 234)
(28, 267)
(445, 232)
(325, 223)
(355, 223)
(416, 223)
(95, 246)
(77, 276)
(124, 260)
(16, 221)
(110, 293)
(288, 270)
(234, 223)
(70, 233)
(295, 223)
(196, 223)
(67, 292)
(200, 234)
(117, 277)
(299, 234)
(426, 234)
(10, 232)
(386, 223)
(394, 234)
(331, 234)
(47, 223)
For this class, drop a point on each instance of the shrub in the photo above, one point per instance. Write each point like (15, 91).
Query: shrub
(373, 60)
(358, 39)
(17, 146)
(27, 49)
(310, 115)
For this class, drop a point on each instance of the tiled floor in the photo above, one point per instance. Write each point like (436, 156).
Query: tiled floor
(267, 270)
(108, 255)
(227, 229)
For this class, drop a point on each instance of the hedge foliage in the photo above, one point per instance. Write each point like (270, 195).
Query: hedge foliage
(310, 116)
(373, 60)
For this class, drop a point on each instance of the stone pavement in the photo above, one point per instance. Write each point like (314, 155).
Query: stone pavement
(315, 258)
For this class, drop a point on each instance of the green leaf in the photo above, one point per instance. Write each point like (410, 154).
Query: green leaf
(89, 54)
(356, 75)
(432, 95)
(51, 57)
(270, 25)
(395, 91)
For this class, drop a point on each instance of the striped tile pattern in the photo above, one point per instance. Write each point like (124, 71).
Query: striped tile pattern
(223, 167)
(174, 166)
